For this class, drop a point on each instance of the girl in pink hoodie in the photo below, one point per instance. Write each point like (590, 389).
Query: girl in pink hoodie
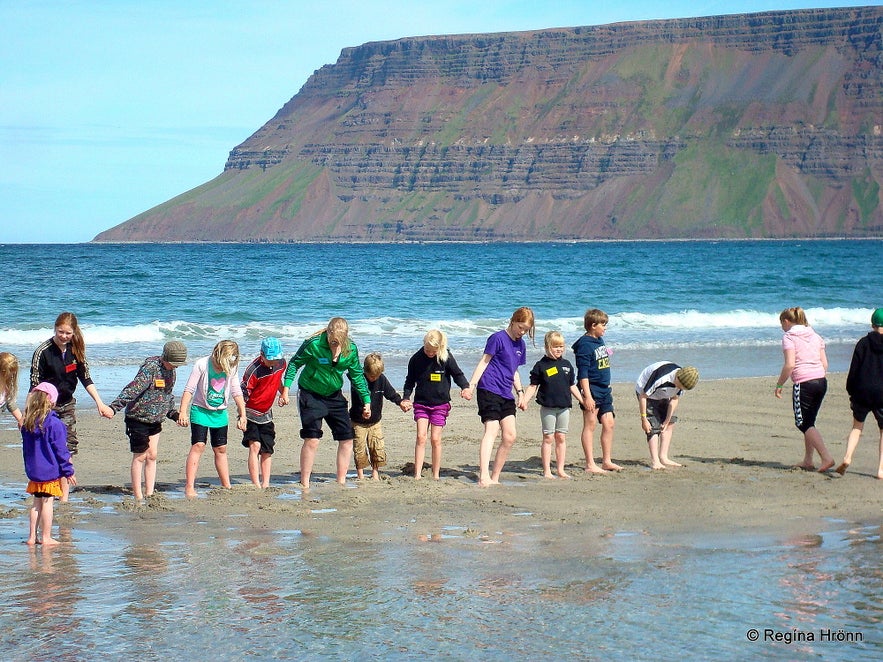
(805, 365)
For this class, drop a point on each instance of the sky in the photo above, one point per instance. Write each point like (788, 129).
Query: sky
(111, 107)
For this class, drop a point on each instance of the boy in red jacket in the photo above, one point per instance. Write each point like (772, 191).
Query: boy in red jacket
(261, 385)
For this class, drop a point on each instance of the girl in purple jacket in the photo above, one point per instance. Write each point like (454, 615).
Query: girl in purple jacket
(46, 457)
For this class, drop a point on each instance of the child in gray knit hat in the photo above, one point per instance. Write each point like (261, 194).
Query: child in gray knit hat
(148, 401)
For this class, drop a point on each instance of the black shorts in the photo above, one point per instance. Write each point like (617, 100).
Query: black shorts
(493, 407)
(263, 433)
(807, 400)
(334, 409)
(199, 434)
(860, 412)
(139, 434)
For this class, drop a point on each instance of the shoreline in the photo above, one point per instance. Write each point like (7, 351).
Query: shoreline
(736, 440)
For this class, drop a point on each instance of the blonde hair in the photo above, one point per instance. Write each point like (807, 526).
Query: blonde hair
(37, 408)
(338, 330)
(594, 316)
(8, 375)
(373, 366)
(795, 315)
(524, 315)
(225, 356)
(438, 341)
(78, 344)
(553, 339)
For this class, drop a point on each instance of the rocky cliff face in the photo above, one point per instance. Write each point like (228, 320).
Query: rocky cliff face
(761, 125)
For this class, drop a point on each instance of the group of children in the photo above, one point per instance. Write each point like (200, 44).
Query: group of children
(48, 424)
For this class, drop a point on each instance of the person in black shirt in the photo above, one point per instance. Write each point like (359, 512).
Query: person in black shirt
(553, 380)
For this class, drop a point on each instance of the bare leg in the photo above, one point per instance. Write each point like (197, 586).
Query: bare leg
(813, 440)
(46, 521)
(851, 443)
(808, 454)
(420, 446)
(344, 455)
(435, 435)
(150, 465)
(266, 465)
(507, 440)
(880, 460)
(307, 457)
(222, 465)
(546, 454)
(590, 422)
(484, 452)
(33, 516)
(653, 445)
(607, 423)
(665, 444)
(65, 490)
(561, 454)
(137, 471)
(190, 467)
(254, 462)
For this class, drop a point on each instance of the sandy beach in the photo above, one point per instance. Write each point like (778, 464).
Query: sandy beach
(737, 443)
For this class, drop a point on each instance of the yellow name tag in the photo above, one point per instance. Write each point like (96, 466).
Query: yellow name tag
(435, 377)
(159, 383)
(552, 371)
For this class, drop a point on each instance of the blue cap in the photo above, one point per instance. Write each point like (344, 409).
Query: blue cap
(271, 349)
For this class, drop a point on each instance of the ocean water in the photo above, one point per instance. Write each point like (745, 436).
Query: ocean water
(236, 593)
(286, 594)
(714, 305)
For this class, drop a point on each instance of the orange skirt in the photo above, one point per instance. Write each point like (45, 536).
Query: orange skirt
(50, 488)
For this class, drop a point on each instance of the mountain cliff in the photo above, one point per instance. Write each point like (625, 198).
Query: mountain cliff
(755, 125)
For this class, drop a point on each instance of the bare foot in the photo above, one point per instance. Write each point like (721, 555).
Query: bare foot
(564, 475)
(487, 481)
(656, 467)
(826, 466)
(548, 474)
(31, 542)
(595, 469)
(610, 466)
(190, 493)
(842, 468)
(669, 463)
(305, 487)
(806, 467)
(50, 542)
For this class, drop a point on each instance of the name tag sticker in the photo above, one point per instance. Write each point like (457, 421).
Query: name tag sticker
(552, 371)
(435, 377)
(159, 382)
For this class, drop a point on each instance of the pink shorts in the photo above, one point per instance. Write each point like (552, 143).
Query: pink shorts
(437, 414)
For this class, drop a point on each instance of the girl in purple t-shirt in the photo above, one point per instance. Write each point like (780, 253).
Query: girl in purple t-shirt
(496, 377)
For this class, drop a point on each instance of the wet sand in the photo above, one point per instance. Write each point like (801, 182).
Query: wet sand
(737, 442)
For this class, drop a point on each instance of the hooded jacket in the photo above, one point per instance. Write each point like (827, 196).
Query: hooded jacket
(864, 382)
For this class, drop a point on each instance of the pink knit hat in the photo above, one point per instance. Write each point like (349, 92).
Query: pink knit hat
(49, 390)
